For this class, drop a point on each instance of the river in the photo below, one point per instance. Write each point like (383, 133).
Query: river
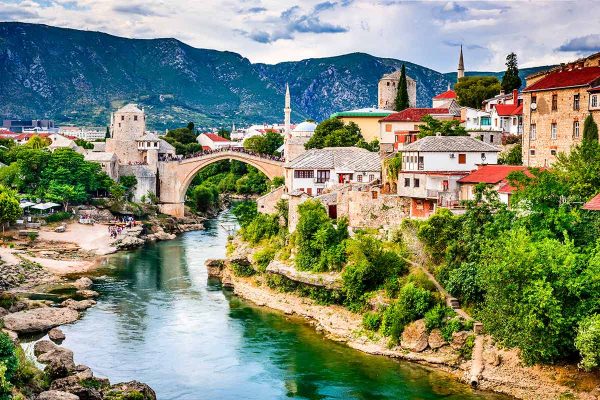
(161, 321)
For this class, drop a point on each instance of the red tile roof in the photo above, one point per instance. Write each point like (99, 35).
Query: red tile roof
(567, 78)
(506, 188)
(413, 114)
(491, 174)
(216, 138)
(505, 110)
(448, 94)
(593, 204)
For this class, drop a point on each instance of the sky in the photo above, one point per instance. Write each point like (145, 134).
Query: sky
(428, 33)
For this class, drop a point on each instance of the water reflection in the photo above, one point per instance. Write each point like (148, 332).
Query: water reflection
(160, 321)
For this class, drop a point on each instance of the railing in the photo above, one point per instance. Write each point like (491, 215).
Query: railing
(221, 150)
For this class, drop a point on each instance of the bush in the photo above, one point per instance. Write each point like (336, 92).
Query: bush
(245, 212)
(241, 268)
(5, 385)
(8, 356)
(466, 351)
(205, 196)
(412, 304)
(371, 321)
(462, 282)
(58, 216)
(263, 226)
(587, 342)
(264, 256)
(452, 325)
(436, 317)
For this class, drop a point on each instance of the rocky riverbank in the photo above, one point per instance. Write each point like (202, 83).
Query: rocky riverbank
(493, 368)
(62, 378)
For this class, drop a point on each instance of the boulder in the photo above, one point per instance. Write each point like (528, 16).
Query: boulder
(493, 358)
(459, 339)
(83, 283)
(414, 337)
(59, 362)
(3, 312)
(83, 372)
(39, 319)
(56, 335)
(131, 389)
(43, 347)
(87, 294)
(18, 306)
(129, 242)
(78, 305)
(57, 395)
(89, 390)
(436, 340)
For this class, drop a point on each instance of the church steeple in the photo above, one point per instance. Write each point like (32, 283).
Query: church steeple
(461, 66)
(287, 110)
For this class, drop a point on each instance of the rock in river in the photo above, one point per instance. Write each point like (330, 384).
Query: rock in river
(83, 283)
(129, 389)
(56, 335)
(43, 347)
(87, 294)
(57, 395)
(78, 305)
(59, 362)
(39, 319)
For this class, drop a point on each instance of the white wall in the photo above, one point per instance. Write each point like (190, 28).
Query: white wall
(441, 161)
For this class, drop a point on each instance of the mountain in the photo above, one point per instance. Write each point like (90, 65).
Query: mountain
(79, 77)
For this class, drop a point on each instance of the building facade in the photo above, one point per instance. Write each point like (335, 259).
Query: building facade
(367, 120)
(555, 105)
(387, 89)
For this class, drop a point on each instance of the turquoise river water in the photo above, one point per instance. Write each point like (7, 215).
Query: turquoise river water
(159, 320)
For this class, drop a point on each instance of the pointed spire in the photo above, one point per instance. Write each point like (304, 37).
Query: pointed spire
(287, 110)
(288, 100)
(461, 65)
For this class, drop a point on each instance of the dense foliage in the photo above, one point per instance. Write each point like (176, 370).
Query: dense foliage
(433, 126)
(473, 90)
(514, 156)
(333, 133)
(264, 144)
(9, 206)
(184, 139)
(511, 79)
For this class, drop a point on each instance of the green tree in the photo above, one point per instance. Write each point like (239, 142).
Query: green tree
(9, 206)
(205, 196)
(511, 79)
(473, 90)
(65, 193)
(8, 356)
(333, 133)
(433, 126)
(107, 135)
(182, 135)
(264, 144)
(191, 127)
(512, 157)
(37, 142)
(402, 102)
(587, 342)
(223, 132)
(590, 129)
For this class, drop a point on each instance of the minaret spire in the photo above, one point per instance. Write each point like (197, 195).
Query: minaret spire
(287, 110)
(461, 66)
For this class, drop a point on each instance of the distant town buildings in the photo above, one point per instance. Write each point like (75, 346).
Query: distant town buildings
(32, 125)
(367, 120)
(555, 105)
(387, 89)
(212, 141)
(90, 134)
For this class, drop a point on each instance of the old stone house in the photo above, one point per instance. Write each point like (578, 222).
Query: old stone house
(387, 89)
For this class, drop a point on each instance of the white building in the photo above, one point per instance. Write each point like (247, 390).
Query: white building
(89, 134)
(432, 166)
(317, 169)
(508, 118)
(502, 98)
(212, 141)
(478, 124)
(297, 138)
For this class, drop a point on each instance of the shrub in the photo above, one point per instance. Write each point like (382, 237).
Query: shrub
(8, 356)
(245, 212)
(371, 321)
(58, 216)
(452, 325)
(412, 304)
(436, 317)
(466, 351)
(264, 256)
(241, 268)
(462, 282)
(263, 226)
(5, 385)
(7, 300)
(587, 342)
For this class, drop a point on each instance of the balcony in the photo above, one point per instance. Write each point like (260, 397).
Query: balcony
(432, 194)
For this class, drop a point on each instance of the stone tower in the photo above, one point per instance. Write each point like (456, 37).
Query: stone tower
(461, 66)
(127, 125)
(388, 88)
(288, 111)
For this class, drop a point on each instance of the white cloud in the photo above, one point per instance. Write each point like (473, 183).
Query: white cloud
(422, 32)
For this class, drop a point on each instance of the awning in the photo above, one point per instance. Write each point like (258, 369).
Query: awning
(45, 206)
(26, 204)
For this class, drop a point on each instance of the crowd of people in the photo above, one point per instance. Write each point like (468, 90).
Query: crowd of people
(118, 225)
(234, 149)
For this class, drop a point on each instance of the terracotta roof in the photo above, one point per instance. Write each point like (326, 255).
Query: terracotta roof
(567, 78)
(451, 144)
(593, 204)
(215, 138)
(491, 174)
(448, 94)
(505, 110)
(413, 114)
(506, 188)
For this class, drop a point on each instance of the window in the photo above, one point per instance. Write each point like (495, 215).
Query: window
(122, 118)
(534, 101)
(388, 127)
(119, 124)
(532, 132)
(388, 84)
(406, 182)
(419, 204)
(532, 152)
(445, 186)
(462, 158)
(553, 152)
(319, 191)
(553, 131)
(595, 101)
(135, 117)
(359, 178)
(309, 191)
(576, 129)
(576, 102)
(416, 183)
(492, 139)
(299, 173)
(554, 102)
(486, 121)
(322, 175)
(371, 177)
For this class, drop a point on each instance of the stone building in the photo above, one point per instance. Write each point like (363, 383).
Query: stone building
(555, 105)
(388, 88)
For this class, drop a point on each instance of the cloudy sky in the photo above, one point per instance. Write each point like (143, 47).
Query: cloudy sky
(424, 32)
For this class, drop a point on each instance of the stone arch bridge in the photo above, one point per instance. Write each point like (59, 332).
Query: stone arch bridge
(174, 177)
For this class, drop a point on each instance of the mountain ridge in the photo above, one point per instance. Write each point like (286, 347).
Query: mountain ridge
(75, 76)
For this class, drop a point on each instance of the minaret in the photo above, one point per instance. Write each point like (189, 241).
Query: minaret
(287, 110)
(461, 66)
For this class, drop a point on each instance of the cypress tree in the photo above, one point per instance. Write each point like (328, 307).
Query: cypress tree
(590, 129)
(107, 136)
(511, 79)
(402, 102)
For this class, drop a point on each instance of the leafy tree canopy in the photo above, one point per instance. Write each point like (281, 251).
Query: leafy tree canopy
(264, 144)
(511, 79)
(333, 133)
(433, 126)
(473, 90)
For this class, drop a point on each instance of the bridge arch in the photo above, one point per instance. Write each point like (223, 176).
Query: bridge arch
(176, 176)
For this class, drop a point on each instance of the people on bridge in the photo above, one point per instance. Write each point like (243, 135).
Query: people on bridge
(221, 150)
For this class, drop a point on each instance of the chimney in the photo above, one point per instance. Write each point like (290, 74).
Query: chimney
(515, 97)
